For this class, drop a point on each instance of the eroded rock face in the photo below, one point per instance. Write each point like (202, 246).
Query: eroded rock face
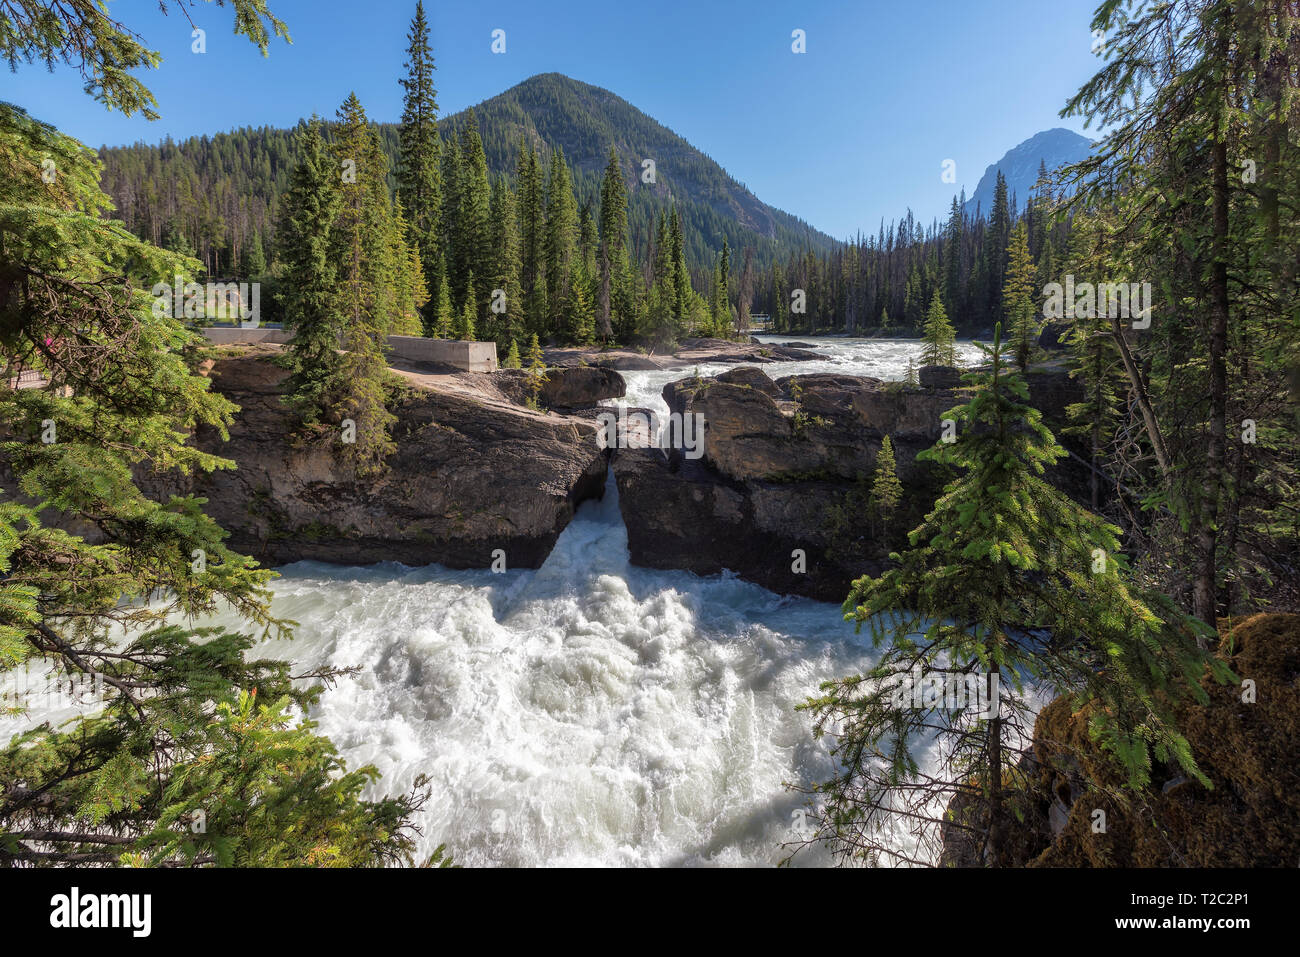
(779, 496)
(469, 475)
(787, 468)
(757, 429)
(939, 377)
(685, 516)
(568, 387)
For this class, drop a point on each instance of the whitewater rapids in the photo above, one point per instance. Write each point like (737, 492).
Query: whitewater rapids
(588, 712)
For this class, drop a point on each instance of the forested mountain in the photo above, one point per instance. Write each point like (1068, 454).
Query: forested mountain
(212, 194)
(551, 110)
(1050, 149)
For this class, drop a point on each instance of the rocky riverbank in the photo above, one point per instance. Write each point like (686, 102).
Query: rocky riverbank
(778, 497)
(474, 471)
(687, 354)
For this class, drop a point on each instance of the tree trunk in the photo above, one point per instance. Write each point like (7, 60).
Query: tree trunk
(1206, 543)
(997, 824)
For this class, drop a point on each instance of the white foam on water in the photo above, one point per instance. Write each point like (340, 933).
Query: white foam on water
(587, 712)
(881, 358)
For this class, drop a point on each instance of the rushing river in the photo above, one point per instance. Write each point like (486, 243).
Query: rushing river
(881, 358)
(587, 712)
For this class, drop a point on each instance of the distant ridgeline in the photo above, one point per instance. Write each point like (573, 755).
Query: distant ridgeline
(215, 196)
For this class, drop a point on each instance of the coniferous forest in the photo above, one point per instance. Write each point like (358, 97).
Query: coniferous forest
(641, 586)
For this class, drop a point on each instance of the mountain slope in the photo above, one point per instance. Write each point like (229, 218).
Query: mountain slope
(1055, 147)
(551, 109)
(210, 195)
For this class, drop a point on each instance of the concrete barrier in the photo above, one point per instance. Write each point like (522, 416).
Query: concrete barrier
(466, 356)
(232, 336)
(470, 356)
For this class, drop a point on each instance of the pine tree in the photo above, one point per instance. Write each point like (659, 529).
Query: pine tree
(419, 172)
(411, 292)
(954, 236)
(445, 311)
(720, 304)
(581, 319)
(456, 254)
(466, 327)
(366, 291)
(679, 276)
(310, 208)
(886, 489)
(1018, 296)
(536, 371)
(532, 234)
(512, 357)
(505, 252)
(997, 233)
(561, 236)
(255, 257)
(475, 210)
(1010, 583)
(939, 336)
(613, 248)
(780, 300)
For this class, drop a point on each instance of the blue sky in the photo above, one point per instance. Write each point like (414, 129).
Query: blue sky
(855, 129)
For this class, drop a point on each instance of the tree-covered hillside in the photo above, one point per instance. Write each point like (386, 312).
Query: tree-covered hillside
(212, 195)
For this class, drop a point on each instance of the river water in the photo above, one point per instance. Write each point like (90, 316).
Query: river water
(587, 712)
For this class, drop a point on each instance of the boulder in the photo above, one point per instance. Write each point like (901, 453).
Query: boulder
(581, 387)
(939, 377)
(750, 377)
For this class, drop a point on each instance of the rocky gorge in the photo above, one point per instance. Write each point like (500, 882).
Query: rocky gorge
(777, 498)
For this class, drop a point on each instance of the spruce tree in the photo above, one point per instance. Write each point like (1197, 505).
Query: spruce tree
(466, 328)
(997, 233)
(367, 291)
(187, 722)
(419, 172)
(613, 248)
(311, 312)
(255, 257)
(475, 228)
(532, 235)
(457, 260)
(886, 489)
(505, 250)
(1007, 586)
(939, 337)
(1018, 296)
(536, 371)
(445, 311)
(561, 236)
(581, 319)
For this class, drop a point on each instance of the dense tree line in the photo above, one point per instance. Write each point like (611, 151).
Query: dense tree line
(884, 284)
